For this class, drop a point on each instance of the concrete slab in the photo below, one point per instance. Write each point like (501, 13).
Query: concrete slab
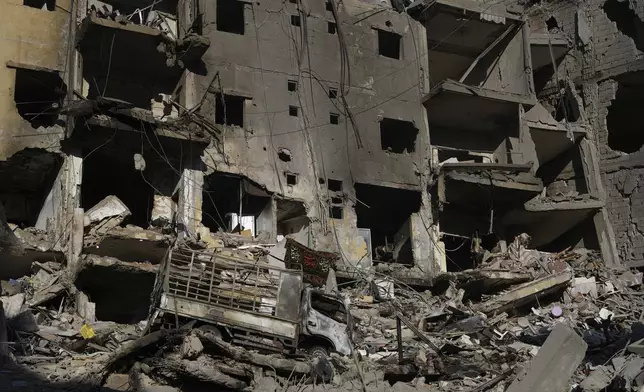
(525, 293)
(455, 105)
(552, 368)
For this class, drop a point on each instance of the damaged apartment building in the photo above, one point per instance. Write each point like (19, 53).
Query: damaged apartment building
(413, 139)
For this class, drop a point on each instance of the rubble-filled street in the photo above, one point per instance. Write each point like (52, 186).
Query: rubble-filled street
(321, 196)
(522, 320)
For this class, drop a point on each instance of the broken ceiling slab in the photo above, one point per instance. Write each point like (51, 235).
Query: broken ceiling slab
(129, 243)
(33, 246)
(468, 182)
(525, 293)
(541, 45)
(412, 276)
(118, 265)
(454, 105)
(156, 54)
(551, 138)
(481, 281)
(547, 221)
(454, 44)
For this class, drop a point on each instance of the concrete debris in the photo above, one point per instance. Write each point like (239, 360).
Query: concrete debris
(191, 347)
(476, 322)
(550, 370)
(106, 215)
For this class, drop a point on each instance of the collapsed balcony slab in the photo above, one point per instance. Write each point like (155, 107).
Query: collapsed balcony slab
(129, 244)
(31, 246)
(525, 293)
(118, 265)
(546, 221)
(546, 46)
(551, 138)
(453, 46)
(464, 183)
(454, 105)
(479, 281)
(156, 54)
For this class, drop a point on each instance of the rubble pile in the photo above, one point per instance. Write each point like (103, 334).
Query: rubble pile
(522, 317)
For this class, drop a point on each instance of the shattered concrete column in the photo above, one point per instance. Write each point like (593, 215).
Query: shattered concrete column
(57, 211)
(190, 202)
(605, 234)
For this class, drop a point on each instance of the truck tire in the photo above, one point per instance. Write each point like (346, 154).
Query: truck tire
(318, 351)
(210, 330)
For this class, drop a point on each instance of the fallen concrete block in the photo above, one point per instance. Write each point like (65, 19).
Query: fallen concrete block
(597, 380)
(111, 210)
(525, 293)
(552, 368)
(584, 286)
(191, 347)
(637, 347)
(13, 305)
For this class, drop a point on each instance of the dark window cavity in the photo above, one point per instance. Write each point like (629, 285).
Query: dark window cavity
(49, 5)
(292, 85)
(398, 136)
(331, 27)
(389, 44)
(334, 118)
(292, 110)
(291, 178)
(335, 212)
(229, 110)
(329, 6)
(333, 93)
(230, 16)
(334, 185)
(295, 20)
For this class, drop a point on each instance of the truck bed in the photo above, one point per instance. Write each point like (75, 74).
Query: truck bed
(219, 287)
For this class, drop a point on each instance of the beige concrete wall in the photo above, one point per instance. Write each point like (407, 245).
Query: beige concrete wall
(34, 37)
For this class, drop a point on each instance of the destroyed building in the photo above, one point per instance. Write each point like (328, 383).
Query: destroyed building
(416, 142)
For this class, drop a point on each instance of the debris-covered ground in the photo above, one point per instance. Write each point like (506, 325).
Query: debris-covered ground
(524, 320)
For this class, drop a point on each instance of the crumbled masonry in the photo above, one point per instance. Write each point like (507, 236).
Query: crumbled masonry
(321, 195)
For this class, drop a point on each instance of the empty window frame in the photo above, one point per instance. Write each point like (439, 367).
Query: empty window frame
(389, 44)
(333, 93)
(229, 110)
(331, 28)
(230, 16)
(334, 118)
(291, 178)
(398, 136)
(292, 85)
(295, 20)
(292, 110)
(336, 212)
(334, 185)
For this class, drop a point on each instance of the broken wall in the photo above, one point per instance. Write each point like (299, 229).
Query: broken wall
(607, 56)
(36, 39)
(287, 80)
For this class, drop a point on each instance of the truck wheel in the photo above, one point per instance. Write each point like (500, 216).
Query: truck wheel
(318, 351)
(210, 330)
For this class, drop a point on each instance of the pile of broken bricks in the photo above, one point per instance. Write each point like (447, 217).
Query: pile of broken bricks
(523, 320)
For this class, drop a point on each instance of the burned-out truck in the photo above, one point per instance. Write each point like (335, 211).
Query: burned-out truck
(250, 303)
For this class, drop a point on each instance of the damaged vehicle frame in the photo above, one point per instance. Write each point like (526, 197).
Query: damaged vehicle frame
(250, 303)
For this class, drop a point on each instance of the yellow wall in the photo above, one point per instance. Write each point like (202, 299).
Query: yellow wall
(34, 37)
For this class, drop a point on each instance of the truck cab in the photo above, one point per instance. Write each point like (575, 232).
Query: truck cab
(324, 324)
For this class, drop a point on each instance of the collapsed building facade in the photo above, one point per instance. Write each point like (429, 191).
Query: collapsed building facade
(413, 140)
